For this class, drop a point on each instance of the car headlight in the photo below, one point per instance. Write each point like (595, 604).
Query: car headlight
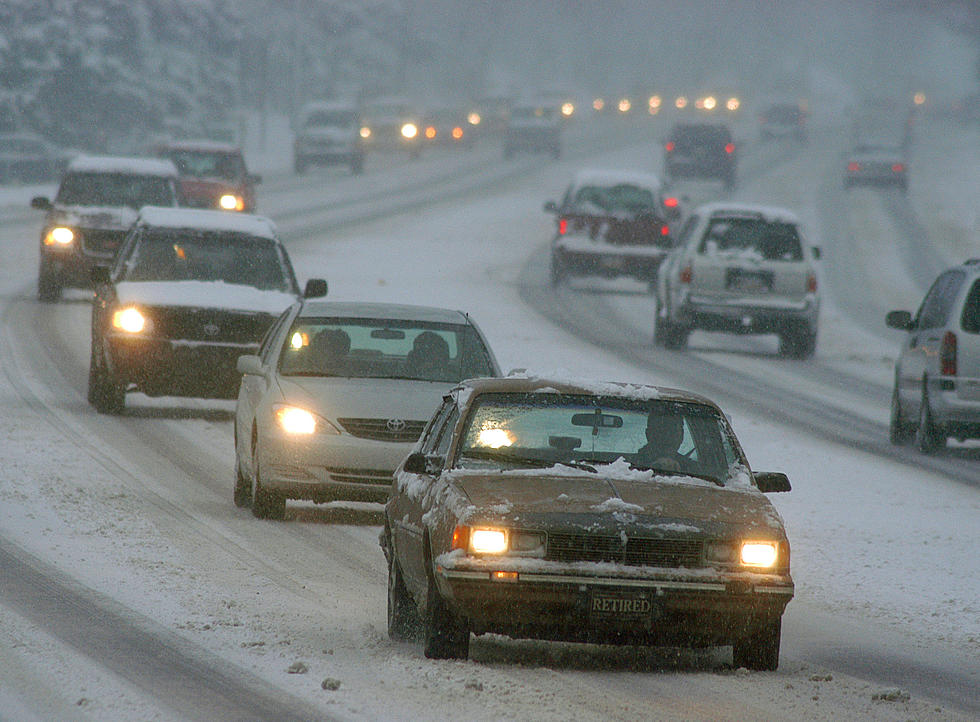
(759, 554)
(409, 130)
(130, 320)
(298, 421)
(365, 132)
(59, 236)
(231, 202)
(496, 540)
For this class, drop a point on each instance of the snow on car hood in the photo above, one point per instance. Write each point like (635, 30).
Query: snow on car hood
(107, 217)
(678, 500)
(339, 397)
(204, 294)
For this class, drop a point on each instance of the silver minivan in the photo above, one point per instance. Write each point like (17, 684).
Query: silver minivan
(936, 393)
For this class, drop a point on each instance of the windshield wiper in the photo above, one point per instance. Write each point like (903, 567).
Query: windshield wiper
(515, 459)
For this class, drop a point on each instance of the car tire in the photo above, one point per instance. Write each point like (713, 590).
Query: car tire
(104, 394)
(48, 283)
(243, 487)
(668, 334)
(266, 504)
(798, 342)
(759, 650)
(403, 616)
(928, 437)
(445, 635)
(900, 431)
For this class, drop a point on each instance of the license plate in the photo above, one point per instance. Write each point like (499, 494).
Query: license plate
(748, 282)
(621, 606)
(614, 263)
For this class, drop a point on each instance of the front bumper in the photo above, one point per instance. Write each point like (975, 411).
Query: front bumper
(165, 367)
(668, 608)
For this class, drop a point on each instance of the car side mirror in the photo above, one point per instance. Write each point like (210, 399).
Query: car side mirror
(415, 463)
(817, 252)
(41, 203)
(99, 275)
(249, 364)
(902, 320)
(315, 288)
(771, 481)
(551, 207)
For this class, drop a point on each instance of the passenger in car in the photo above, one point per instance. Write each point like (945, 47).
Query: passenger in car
(429, 357)
(329, 349)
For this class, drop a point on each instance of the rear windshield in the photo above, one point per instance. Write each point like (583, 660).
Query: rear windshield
(690, 136)
(208, 164)
(752, 238)
(116, 189)
(609, 199)
(191, 255)
(384, 349)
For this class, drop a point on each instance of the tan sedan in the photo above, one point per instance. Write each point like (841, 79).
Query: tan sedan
(587, 512)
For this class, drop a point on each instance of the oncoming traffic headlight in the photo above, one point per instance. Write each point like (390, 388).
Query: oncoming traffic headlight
(59, 236)
(365, 132)
(495, 540)
(130, 320)
(409, 131)
(231, 202)
(300, 422)
(759, 554)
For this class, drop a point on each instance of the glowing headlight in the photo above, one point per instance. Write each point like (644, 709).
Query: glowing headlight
(732, 103)
(231, 202)
(759, 554)
(488, 541)
(409, 130)
(567, 109)
(129, 320)
(59, 236)
(474, 118)
(294, 420)
(365, 132)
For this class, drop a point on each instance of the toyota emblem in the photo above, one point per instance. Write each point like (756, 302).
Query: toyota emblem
(396, 424)
(211, 329)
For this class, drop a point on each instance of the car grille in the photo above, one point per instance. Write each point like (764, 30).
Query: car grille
(210, 325)
(360, 476)
(669, 553)
(102, 242)
(384, 429)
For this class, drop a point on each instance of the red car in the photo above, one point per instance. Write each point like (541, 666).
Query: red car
(212, 175)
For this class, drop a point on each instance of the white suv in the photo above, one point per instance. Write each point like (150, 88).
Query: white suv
(743, 269)
(937, 376)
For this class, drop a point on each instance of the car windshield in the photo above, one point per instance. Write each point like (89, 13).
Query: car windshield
(330, 118)
(609, 199)
(116, 189)
(752, 238)
(195, 255)
(383, 349)
(208, 164)
(543, 429)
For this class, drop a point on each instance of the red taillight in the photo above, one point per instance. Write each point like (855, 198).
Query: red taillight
(665, 230)
(671, 202)
(898, 167)
(686, 274)
(669, 147)
(562, 226)
(853, 166)
(947, 354)
(811, 284)
(729, 148)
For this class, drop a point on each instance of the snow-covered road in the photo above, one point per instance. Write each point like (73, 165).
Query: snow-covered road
(138, 509)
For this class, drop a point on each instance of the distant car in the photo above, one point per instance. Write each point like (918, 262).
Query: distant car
(580, 511)
(936, 394)
(339, 393)
(877, 164)
(329, 133)
(212, 174)
(533, 128)
(783, 120)
(28, 158)
(700, 151)
(743, 269)
(96, 204)
(190, 292)
(392, 123)
(611, 223)
(448, 126)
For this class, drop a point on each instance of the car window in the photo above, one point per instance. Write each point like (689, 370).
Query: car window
(431, 433)
(384, 348)
(938, 302)
(445, 435)
(970, 318)
(195, 255)
(752, 238)
(612, 198)
(116, 189)
(687, 229)
(531, 430)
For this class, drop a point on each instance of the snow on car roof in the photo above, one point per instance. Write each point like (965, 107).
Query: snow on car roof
(122, 164)
(208, 220)
(769, 213)
(608, 177)
(393, 311)
(203, 145)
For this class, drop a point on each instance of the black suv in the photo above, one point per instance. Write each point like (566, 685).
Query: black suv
(700, 150)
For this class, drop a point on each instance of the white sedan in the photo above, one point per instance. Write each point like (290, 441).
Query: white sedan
(339, 394)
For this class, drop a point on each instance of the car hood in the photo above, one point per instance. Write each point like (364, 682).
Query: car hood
(204, 294)
(672, 503)
(337, 397)
(104, 217)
